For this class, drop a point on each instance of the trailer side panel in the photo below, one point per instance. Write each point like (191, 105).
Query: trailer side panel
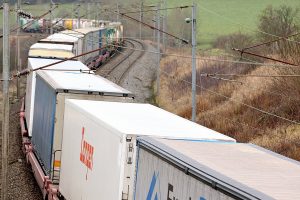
(158, 179)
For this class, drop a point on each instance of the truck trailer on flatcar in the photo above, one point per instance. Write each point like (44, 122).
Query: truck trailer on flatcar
(183, 169)
(99, 145)
(70, 43)
(52, 88)
(33, 64)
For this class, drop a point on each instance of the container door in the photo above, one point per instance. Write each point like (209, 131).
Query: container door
(129, 167)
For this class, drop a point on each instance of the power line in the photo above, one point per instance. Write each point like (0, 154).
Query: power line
(230, 80)
(228, 119)
(239, 102)
(251, 75)
(234, 122)
(30, 22)
(71, 70)
(222, 79)
(150, 26)
(27, 71)
(207, 59)
(244, 84)
(257, 88)
(265, 57)
(269, 42)
(154, 10)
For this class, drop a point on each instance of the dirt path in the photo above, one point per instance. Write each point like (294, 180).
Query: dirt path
(140, 77)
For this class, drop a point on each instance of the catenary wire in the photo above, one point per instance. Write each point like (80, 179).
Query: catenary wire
(239, 102)
(30, 22)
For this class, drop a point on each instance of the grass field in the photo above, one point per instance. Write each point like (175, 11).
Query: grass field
(219, 17)
(215, 17)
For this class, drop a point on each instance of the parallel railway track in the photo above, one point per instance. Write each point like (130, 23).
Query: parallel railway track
(117, 68)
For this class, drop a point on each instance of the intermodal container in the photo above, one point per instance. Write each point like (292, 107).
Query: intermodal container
(183, 169)
(51, 90)
(99, 145)
(33, 64)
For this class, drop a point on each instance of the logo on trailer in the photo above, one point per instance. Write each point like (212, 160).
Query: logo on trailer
(154, 195)
(86, 153)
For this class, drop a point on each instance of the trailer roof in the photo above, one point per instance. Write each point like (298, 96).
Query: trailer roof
(144, 119)
(34, 63)
(247, 169)
(72, 33)
(65, 37)
(78, 82)
(88, 30)
(50, 46)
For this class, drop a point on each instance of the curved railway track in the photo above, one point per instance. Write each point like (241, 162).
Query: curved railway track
(117, 68)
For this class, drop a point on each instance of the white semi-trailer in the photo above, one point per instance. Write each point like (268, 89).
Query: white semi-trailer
(51, 90)
(99, 152)
(34, 64)
(190, 170)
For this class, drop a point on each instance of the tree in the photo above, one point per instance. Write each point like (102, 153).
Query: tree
(282, 21)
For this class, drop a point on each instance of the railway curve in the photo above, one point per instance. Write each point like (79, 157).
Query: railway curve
(116, 69)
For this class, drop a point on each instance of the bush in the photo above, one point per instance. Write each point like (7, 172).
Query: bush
(236, 40)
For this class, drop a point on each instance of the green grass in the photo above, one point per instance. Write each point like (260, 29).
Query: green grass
(214, 17)
(221, 17)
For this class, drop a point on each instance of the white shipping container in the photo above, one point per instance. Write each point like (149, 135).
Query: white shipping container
(174, 169)
(52, 89)
(34, 63)
(99, 145)
(91, 37)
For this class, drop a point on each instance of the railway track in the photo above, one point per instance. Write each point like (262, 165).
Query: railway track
(117, 68)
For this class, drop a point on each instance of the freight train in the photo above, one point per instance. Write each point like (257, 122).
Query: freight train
(86, 137)
(72, 43)
(29, 24)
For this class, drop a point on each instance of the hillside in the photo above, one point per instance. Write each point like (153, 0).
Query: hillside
(243, 107)
(218, 17)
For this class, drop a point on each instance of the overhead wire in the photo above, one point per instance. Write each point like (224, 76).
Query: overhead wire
(228, 119)
(154, 10)
(250, 75)
(268, 42)
(30, 22)
(24, 72)
(27, 71)
(265, 57)
(150, 26)
(237, 101)
(224, 79)
(233, 121)
(252, 88)
(262, 89)
(207, 59)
